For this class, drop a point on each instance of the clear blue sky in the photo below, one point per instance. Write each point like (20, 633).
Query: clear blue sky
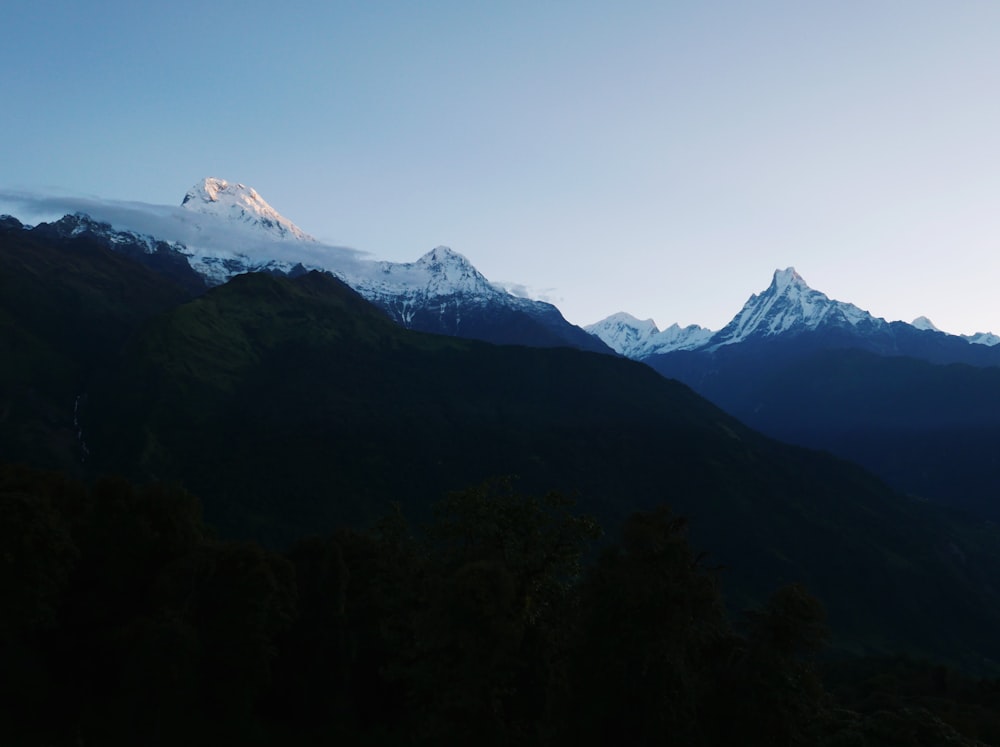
(661, 158)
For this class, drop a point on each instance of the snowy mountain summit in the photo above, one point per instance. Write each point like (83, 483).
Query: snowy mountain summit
(922, 322)
(402, 288)
(241, 205)
(441, 292)
(635, 338)
(789, 305)
(983, 338)
(440, 272)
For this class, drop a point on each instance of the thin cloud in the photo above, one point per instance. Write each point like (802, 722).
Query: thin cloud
(205, 236)
(526, 291)
(176, 224)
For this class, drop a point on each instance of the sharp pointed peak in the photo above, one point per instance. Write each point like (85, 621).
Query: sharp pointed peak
(211, 188)
(443, 254)
(242, 205)
(783, 279)
(625, 317)
(790, 305)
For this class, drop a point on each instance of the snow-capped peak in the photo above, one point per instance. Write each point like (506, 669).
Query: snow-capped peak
(443, 258)
(240, 204)
(787, 278)
(440, 273)
(983, 338)
(790, 305)
(922, 322)
(638, 339)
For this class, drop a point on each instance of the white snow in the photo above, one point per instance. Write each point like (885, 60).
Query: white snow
(638, 339)
(922, 322)
(225, 229)
(240, 204)
(790, 304)
(438, 275)
(983, 338)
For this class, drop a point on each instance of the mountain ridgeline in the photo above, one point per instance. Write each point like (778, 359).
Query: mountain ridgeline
(919, 407)
(292, 405)
(228, 229)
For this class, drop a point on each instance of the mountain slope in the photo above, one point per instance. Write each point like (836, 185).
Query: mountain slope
(928, 429)
(229, 229)
(443, 293)
(901, 399)
(790, 306)
(163, 257)
(789, 309)
(67, 305)
(291, 405)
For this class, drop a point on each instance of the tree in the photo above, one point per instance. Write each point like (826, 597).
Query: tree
(490, 637)
(651, 617)
(770, 693)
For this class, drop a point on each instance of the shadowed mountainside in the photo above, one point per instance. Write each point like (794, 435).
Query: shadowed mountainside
(292, 406)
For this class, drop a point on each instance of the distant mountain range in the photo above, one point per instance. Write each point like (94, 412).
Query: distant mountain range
(790, 308)
(230, 229)
(919, 407)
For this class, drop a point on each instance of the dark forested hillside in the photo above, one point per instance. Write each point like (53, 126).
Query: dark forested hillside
(125, 622)
(291, 406)
(67, 305)
(930, 430)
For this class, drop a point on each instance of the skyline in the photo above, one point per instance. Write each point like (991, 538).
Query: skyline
(658, 161)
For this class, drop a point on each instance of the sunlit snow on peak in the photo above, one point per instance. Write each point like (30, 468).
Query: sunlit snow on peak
(240, 204)
(784, 278)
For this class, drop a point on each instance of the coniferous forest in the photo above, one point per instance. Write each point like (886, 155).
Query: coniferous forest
(503, 620)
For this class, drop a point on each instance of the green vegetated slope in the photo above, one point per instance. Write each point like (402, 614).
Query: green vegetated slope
(292, 406)
(66, 307)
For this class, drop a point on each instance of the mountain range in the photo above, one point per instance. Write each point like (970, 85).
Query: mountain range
(790, 308)
(900, 418)
(293, 400)
(919, 407)
(229, 229)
